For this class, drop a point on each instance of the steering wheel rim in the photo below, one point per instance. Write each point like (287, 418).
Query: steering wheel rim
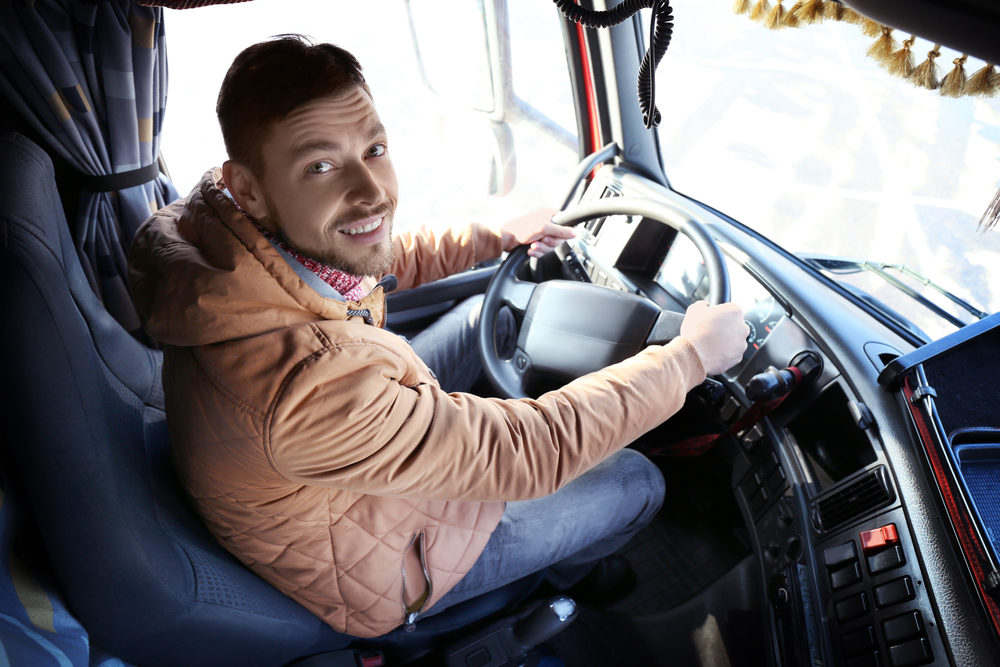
(509, 376)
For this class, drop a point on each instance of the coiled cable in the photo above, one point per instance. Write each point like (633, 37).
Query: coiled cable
(661, 28)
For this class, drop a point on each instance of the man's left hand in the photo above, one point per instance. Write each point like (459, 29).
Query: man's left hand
(536, 229)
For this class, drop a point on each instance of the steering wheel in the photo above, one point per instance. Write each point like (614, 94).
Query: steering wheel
(571, 328)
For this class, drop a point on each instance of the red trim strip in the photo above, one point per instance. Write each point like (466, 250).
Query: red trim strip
(960, 521)
(588, 85)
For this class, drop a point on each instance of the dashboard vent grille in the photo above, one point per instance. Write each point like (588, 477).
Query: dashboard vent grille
(864, 495)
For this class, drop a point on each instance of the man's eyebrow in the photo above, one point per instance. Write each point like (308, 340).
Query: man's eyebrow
(324, 146)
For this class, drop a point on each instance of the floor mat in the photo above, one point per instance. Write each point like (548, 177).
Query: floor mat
(694, 542)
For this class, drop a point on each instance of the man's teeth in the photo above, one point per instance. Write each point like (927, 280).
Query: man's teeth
(364, 229)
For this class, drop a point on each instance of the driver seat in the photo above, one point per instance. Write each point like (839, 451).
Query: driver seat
(82, 412)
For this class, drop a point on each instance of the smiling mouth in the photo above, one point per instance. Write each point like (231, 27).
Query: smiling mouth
(365, 227)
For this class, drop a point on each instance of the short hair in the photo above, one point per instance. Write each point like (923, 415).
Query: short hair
(269, 80)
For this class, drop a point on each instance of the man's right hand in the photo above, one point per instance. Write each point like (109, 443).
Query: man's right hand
(718, 333)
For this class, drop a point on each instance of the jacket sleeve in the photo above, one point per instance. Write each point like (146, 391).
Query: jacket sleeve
(423, 256)
(367, 431)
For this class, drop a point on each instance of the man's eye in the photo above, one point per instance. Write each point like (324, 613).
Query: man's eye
(378, 150)
(319, 167)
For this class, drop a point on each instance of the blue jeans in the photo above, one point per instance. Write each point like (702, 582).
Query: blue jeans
(449, 346)
(564, 533)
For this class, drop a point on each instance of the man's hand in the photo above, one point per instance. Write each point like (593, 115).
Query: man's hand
(537, 229)
(718, 333)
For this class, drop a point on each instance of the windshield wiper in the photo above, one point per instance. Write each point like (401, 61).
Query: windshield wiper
(839, 265)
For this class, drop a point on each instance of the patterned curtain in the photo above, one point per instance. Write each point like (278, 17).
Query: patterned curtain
(90, 79)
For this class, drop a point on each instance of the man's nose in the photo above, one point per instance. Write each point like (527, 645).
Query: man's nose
(364, 185)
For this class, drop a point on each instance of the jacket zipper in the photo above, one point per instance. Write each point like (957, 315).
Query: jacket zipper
(412, 612)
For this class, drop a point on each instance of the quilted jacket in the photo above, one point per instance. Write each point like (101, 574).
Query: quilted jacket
(318, 447)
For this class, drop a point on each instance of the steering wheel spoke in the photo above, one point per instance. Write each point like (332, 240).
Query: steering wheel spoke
(517, 294)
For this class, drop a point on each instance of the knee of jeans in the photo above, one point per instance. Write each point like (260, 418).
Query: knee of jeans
(643, 479)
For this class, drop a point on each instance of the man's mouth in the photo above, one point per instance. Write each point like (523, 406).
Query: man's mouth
(364, 227)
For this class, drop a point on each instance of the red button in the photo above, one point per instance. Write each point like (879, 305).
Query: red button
(873, 540)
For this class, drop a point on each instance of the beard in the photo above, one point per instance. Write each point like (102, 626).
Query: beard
(373, 260)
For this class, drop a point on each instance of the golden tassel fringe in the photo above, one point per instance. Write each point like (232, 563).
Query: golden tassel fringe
(776, 17)
(848, 15)
(833, 11)
(983, 83)
(883, 48)
(926, 74)
(760, 10)
(808, 11)
(900, 62)
(953, 83)
(870, 28)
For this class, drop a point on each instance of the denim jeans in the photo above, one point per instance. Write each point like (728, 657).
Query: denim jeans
(449, 346)
(564, 533)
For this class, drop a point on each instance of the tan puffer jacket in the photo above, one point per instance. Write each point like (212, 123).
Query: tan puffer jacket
(321, 451)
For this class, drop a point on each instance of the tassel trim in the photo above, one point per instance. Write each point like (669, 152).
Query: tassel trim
(896, 58)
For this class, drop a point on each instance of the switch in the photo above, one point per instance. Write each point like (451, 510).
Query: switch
(845, 576)
(880, 538)
(894, 592)
(729, 409)
(842, 553)
(913, 652)
(899, 628)
(886, 560)
(851, 607)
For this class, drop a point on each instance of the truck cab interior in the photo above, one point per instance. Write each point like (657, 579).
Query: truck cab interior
(830, 499)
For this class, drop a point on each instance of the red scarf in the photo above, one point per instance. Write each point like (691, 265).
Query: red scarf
(346, 284)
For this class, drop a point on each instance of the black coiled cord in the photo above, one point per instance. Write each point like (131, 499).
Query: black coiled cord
(661, 28)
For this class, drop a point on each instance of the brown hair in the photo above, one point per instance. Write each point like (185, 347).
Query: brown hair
(269, 80)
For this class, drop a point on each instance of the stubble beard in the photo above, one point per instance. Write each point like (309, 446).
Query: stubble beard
(377, 258)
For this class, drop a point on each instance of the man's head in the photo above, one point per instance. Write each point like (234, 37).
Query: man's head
(308, 154)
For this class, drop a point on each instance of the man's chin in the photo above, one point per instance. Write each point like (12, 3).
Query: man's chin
(378, 263)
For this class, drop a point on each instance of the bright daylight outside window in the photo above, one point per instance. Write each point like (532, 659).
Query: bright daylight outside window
(801, 136)
(441, 146)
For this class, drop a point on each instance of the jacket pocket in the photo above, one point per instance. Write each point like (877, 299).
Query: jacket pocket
(412, 611)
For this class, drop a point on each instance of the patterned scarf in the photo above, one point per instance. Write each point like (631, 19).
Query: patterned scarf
(347, 285)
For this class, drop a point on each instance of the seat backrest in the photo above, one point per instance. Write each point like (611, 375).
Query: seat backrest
(82, 415)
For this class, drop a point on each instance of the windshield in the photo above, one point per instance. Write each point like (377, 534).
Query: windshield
(801, 136)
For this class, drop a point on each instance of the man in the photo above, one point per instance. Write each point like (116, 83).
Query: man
(318, 446)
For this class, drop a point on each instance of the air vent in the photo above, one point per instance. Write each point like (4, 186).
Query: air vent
(862, 496)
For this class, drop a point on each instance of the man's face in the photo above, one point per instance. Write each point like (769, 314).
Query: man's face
(328, 184)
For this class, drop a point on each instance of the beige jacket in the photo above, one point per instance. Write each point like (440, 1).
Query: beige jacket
(321, 451)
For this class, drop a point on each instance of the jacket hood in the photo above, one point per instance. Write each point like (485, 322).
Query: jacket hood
(201, 273)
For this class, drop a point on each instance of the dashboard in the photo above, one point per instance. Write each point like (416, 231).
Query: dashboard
(851, 558)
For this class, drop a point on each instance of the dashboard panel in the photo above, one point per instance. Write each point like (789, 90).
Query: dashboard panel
(852, 563)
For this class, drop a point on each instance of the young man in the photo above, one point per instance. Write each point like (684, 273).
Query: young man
(318, 446)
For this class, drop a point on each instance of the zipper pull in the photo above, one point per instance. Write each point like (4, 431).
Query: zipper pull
(410, 623)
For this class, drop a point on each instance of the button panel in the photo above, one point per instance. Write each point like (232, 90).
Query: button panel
(877, 604)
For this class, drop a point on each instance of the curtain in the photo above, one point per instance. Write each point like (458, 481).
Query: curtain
(90, 79)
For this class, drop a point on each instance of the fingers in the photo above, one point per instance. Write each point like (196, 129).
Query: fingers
(535, 228)
(546, 244)
(553, 231)
(718, 333)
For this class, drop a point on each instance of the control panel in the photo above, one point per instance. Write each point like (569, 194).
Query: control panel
(877, 606)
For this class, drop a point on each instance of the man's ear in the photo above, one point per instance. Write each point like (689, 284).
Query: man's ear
(245, 188)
